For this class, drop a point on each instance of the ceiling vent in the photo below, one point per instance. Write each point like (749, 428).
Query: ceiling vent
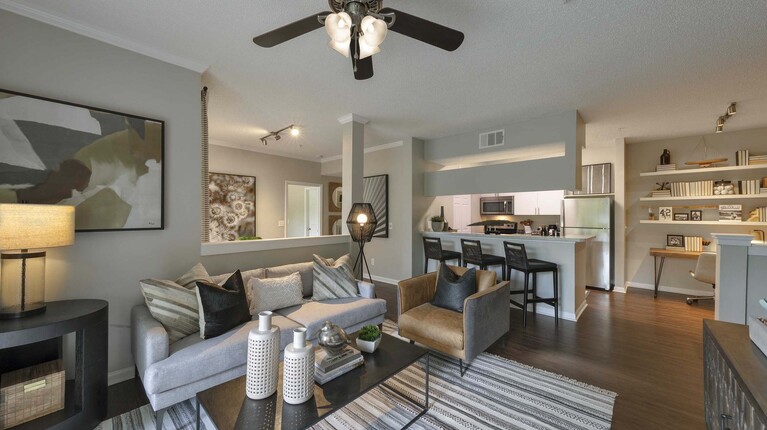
(491, 139)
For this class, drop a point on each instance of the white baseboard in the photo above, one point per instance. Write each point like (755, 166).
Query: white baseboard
(548, 311)
(666, 289)
(385, 280)
(620, 289)
(121, 375)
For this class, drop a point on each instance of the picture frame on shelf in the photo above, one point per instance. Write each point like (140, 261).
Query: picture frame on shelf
(696, 215)
(682, 216)
(675, 240)
(665, 214)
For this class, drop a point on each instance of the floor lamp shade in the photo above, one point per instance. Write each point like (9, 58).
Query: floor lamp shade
(25, 227)
(361, 222)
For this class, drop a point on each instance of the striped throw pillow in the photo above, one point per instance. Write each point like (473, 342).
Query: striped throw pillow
(173, 305)
(333, 281)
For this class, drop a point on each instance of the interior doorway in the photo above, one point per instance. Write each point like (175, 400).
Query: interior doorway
(462, 213)
(303, 209)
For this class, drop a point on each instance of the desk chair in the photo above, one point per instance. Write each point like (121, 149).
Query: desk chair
(432, 249)
(705, 271)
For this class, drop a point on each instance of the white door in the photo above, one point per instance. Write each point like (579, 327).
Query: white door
(550, 202)
(313, 211)
(462, 213)
(303, 211)
(526, 203)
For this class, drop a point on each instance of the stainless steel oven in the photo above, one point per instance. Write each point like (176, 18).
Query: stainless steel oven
(496, 205)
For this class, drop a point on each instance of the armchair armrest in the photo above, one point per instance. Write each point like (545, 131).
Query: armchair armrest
(149, 340)
(366, 289)
(485, 318)
(416, 291)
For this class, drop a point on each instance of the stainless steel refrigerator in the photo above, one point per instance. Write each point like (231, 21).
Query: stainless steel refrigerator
(593, 215)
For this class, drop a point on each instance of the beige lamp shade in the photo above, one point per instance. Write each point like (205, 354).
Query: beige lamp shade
(28, 226)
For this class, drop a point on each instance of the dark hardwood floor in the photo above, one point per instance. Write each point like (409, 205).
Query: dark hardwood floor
(647, 350)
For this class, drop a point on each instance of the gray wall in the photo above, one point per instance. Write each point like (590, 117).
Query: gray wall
(47, 61)
(562, 172)
(642, 157)
(271, 172)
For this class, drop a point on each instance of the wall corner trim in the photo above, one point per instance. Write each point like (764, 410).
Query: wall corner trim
(733, 239)
(19, 8)
(353, 117)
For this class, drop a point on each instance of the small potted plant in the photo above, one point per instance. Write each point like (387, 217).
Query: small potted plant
(437, 223)
(369, 338)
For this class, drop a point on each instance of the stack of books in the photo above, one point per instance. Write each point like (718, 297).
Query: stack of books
(757, 159)
(741, 157)
(692, 189)
(661, 193)
(328, 368)
(751, 186)
(693, 244)
(758, 214)
(665, 167)
(730, 212)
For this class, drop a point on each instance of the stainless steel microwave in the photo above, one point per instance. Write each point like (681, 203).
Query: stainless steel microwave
(496, 205)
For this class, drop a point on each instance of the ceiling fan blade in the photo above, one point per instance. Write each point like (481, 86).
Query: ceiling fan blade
(290, 31)
(364, 69)
(425, 31)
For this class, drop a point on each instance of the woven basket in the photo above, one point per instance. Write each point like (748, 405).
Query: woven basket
(30, 393)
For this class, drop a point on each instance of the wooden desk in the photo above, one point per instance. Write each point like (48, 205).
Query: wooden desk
(663, 253)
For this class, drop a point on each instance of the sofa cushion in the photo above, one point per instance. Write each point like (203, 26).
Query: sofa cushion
(173, 305)
(304, 269)
(192, 359)
(434, 323)
(196, 273)
(246, 275)
(222, 307)
(344, 312)
(333, 281)
(453, 289)
(275, 293)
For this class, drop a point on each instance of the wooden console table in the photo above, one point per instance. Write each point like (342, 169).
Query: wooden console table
(662, 254)
(37, 339)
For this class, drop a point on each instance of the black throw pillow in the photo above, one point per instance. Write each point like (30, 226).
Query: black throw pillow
(452, 289)
(222, 308)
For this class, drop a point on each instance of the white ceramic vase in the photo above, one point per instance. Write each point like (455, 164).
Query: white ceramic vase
(298, 369)
(263, 363)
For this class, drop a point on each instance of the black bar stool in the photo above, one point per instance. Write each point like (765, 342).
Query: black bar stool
(432, 248)
(472, 253)
(516, 259)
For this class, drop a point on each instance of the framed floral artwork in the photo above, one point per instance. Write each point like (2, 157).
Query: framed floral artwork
(232, 207)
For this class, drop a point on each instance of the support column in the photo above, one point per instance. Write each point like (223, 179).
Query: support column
(352, 160)
(731, 293)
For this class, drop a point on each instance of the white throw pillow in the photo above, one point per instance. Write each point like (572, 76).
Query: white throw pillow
(275, 293)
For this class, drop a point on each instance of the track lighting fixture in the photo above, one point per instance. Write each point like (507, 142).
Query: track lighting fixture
(732, 109)
(277, 135)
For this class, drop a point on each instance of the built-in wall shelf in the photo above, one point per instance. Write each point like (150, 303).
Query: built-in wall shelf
(722, 223)
(706, 170)
(688, 198)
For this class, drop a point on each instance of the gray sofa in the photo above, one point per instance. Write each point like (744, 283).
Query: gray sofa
(172, 373)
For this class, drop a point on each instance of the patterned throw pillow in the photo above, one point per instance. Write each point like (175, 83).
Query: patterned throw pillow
(275, 293)
(222, 308)
(196, 273)
(173, 305)
(333, 282)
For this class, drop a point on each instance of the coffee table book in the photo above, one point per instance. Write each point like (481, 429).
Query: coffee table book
(325, 363)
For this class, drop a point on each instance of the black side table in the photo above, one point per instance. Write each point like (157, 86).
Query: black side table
(28, 341)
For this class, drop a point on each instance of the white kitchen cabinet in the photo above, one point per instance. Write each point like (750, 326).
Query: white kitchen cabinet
(538, 203)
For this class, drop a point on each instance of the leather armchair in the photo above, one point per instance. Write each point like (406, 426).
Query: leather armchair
(464, 336)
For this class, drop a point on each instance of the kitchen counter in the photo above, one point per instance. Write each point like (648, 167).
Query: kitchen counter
(570, 253)
(517, 237)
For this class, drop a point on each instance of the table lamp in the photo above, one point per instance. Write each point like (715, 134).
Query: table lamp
(24, 227)
(361, 224)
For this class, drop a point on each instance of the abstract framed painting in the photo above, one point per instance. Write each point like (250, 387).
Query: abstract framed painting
(375, 190)
(232, 207)
(108, 165)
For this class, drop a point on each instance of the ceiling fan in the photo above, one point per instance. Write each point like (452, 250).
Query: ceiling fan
(358, 27)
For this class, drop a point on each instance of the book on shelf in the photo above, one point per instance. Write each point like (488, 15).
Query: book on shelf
(665, 167)
(661, 193)
(757, 159)
(730, 212)
(325, 363)
(693, 243)
(741, 157)
(692, 189)
(750, 186)
(321, 377)
(674, 248)
(758, 214)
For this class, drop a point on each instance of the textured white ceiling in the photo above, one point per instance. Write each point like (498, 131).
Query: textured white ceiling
(643, 70)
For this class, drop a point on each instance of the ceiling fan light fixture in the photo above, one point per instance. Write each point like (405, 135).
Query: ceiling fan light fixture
(339, 26)
(340, 47)
(366, 50)
(373, 30)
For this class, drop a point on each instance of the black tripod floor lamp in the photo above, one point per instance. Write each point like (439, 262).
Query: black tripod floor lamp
(361, 224)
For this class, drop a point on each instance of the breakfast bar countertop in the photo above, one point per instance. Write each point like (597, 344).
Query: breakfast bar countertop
(519, 237)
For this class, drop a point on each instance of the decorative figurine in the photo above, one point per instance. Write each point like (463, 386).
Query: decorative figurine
(333, 338)
(665, 158)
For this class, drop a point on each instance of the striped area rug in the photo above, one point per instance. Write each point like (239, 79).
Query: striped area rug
(495, 393)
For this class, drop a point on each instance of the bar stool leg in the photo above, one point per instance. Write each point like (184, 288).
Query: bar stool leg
(535, 292)
(556, 297)
(524, 301)
(426, 266)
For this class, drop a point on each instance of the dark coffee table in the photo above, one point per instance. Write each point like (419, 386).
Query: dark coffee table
(229, 407)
